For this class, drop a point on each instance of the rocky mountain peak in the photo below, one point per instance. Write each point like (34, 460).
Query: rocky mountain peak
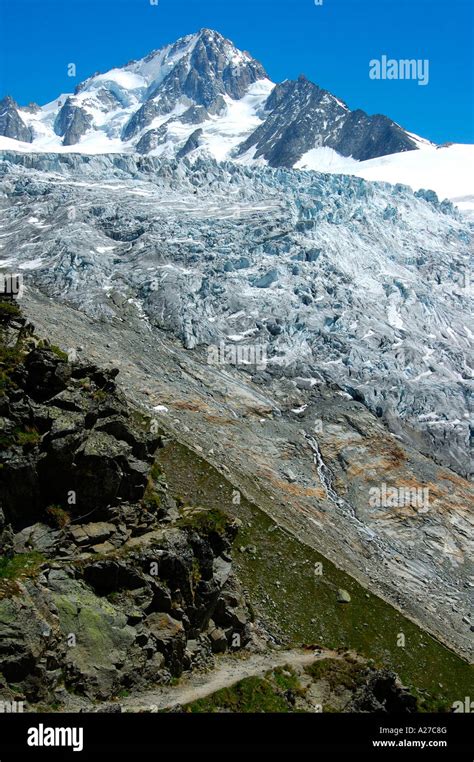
(11, 123)
(8, 102)
(302, 116)
(211, 66)
(145, 105)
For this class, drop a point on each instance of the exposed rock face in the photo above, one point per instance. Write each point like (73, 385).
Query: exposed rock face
(194, 115)
(192, 142)
(72, 122)
(152, 139)
(211, 68)
(302, 116)
(86, 444)
(383, 692)
(145, 115)
(366, 137)
(11, 123)
(105, 581)
(196, 80)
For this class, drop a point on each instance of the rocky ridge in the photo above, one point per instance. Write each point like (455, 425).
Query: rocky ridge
(300, 116)
(151, 106)
(107, 584)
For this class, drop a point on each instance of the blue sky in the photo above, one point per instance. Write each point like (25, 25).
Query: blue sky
(331, 43)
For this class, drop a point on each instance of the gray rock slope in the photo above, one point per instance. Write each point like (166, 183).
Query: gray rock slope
(338, 280)
(71, 123)
(11, 123)
(300, 116)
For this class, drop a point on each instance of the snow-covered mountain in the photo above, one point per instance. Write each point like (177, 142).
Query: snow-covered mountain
(201, 93)
(154, 105)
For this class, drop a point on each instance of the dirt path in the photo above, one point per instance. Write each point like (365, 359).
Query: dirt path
(228, 672)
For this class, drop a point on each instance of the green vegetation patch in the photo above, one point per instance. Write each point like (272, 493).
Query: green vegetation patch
(27, 438)
(337, 672)
(22, 565)
(10, 357)
(58, 516)
(59, 352)
(204, 520)
(301, 607)
(251, 695)
(9, 311)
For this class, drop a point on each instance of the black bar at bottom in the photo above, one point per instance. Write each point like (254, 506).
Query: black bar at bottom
(95, 736)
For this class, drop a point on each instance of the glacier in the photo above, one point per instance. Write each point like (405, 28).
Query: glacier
(363, 285)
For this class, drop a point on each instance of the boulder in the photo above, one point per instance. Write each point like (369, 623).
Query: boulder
(217, 638)
(343, 596)
(46, 374)
(170, 639)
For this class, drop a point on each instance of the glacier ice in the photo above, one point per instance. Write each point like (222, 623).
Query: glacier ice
(364, 285)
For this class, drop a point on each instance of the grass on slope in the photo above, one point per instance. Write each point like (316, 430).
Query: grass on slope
(301, 607)
(253, 695)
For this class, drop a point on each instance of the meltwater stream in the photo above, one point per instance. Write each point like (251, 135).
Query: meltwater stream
(325, 478)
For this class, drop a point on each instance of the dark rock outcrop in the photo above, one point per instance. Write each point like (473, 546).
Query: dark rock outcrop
(152, 139)
(103, 581)
(11, 123)
(302, 116)
(383, 693)
(191, 144)
(145, 115)
(69, 440)
(72, 122)
(194, 115)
